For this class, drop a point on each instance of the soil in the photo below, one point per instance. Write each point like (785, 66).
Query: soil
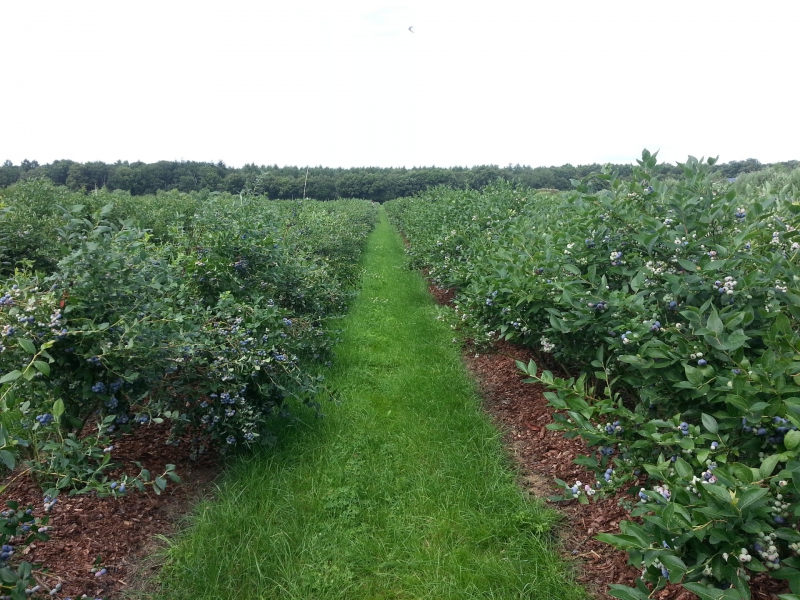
(114, 533)
(118, 534)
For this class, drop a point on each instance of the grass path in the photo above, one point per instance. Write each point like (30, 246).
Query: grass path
(401, 492)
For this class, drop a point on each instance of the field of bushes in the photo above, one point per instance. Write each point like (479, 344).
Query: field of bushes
(672, 299)
(212, 312)
(675, 303)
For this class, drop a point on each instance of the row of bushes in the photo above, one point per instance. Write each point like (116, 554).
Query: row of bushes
(214, 314)
(678, 301)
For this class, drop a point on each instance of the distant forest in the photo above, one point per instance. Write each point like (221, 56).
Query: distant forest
(321, 183)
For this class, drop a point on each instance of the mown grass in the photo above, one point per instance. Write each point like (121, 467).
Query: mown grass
(402, 491)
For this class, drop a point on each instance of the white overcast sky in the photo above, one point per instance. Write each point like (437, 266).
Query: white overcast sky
(345, 83)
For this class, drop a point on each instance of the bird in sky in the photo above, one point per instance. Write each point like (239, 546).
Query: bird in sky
(410, 29)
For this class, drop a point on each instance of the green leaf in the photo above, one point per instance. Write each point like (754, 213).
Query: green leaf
(8, 459)
(714, 324)
(694, 375)
(682, 468)
(792, 439)
(58, 408)
(768, 466)
(637, 281)
(8, 576)
(688, 265)
(674, 565)
(718, 491)
(27, 345)
(750, 497)
(623, 592)
(13, 376)
(710, 423)
(708, 593)
(43, 367)
(624, 542)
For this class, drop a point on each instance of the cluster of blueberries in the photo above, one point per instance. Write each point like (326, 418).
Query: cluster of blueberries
(45, 419)
(6, 552)
(49, 502)
(782, 427)
(598, 306)
(662, 490)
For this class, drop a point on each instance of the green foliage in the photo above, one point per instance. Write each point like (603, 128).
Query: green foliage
(216, 320)
(678, 300)
(321, 183)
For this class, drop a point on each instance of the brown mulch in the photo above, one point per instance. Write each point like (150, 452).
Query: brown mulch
(114, 533)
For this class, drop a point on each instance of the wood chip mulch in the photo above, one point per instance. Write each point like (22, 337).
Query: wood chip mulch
(521, 411)
(114, 533)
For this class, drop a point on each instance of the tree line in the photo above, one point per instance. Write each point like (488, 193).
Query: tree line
(321, 183)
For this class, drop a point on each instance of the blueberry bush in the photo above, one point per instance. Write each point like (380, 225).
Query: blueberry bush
(677, 301)
(214, 313)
